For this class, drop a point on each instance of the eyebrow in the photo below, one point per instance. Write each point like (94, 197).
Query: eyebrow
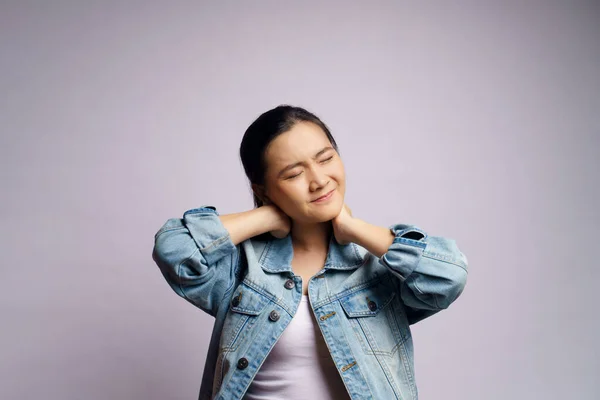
(323, 150)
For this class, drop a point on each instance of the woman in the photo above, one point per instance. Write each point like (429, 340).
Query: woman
(309, 301)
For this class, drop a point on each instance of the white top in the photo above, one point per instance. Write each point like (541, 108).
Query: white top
(299, 366)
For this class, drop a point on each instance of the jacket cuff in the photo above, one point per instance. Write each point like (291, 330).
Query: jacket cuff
(208, 232)
(406, 250)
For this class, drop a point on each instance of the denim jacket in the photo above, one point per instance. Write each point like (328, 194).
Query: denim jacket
(364, 305)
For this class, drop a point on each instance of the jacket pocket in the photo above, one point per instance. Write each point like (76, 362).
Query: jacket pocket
(245, 306)
(377, 318)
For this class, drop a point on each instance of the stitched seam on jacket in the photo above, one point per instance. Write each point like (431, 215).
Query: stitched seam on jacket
(440, 257)
(269, 296)
(214, 243)
(362, 285)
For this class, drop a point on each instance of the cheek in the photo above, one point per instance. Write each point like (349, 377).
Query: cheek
(288, 197)
(340, 177)
(338, 171)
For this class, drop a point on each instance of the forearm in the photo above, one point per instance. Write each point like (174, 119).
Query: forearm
(244, 225)
(375, 239)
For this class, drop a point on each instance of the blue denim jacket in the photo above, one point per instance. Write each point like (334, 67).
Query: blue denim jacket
(363, 305)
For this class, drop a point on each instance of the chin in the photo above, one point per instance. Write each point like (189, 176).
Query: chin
(327, 212)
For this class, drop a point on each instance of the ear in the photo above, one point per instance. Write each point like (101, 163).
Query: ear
(259, 191)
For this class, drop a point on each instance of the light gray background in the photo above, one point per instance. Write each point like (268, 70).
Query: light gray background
(474, 120)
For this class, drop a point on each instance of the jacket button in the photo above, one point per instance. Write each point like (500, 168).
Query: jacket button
(274, 315)
(236, 300)
(289, 284)
(242, 363)
(372, 305)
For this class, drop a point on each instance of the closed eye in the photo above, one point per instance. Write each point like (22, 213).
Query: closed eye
(300, 173)
(293, 176)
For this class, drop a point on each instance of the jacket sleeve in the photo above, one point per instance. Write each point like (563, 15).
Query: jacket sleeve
(432, 271)
(197, 257)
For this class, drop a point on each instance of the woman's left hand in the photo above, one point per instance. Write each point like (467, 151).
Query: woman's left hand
(348, 229)
(343, 226)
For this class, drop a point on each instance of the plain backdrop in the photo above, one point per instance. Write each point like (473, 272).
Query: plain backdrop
(475, 120)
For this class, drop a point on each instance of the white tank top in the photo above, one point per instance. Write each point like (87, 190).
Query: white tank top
(299, 366)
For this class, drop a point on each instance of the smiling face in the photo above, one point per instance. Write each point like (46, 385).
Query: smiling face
(302, 166)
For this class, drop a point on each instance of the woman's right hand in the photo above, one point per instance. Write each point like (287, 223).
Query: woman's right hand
(280, 222)
(247, 224)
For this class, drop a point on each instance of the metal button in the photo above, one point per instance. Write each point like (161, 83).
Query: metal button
(236, 300)
(372, 305)
(242, 363)
(274, 315)
(289, 284)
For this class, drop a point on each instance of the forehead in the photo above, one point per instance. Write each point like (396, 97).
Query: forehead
(300, 143)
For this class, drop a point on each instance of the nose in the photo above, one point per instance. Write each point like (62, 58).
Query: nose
(318, 180)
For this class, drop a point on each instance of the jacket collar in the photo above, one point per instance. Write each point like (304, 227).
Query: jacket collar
(278, 253)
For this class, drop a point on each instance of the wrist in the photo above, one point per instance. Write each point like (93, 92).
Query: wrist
(352, 229)
(375, 239)
(270, 218)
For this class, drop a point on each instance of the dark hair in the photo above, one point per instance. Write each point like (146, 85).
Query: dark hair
(266, 128)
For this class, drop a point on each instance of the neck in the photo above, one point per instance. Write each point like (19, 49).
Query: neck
(311, 237)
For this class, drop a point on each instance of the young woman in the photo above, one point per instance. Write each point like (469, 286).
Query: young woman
(309, 301)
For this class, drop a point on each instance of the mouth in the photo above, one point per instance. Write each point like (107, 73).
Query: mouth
(325, 197)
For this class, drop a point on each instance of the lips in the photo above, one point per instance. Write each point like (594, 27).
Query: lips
(325, 195)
